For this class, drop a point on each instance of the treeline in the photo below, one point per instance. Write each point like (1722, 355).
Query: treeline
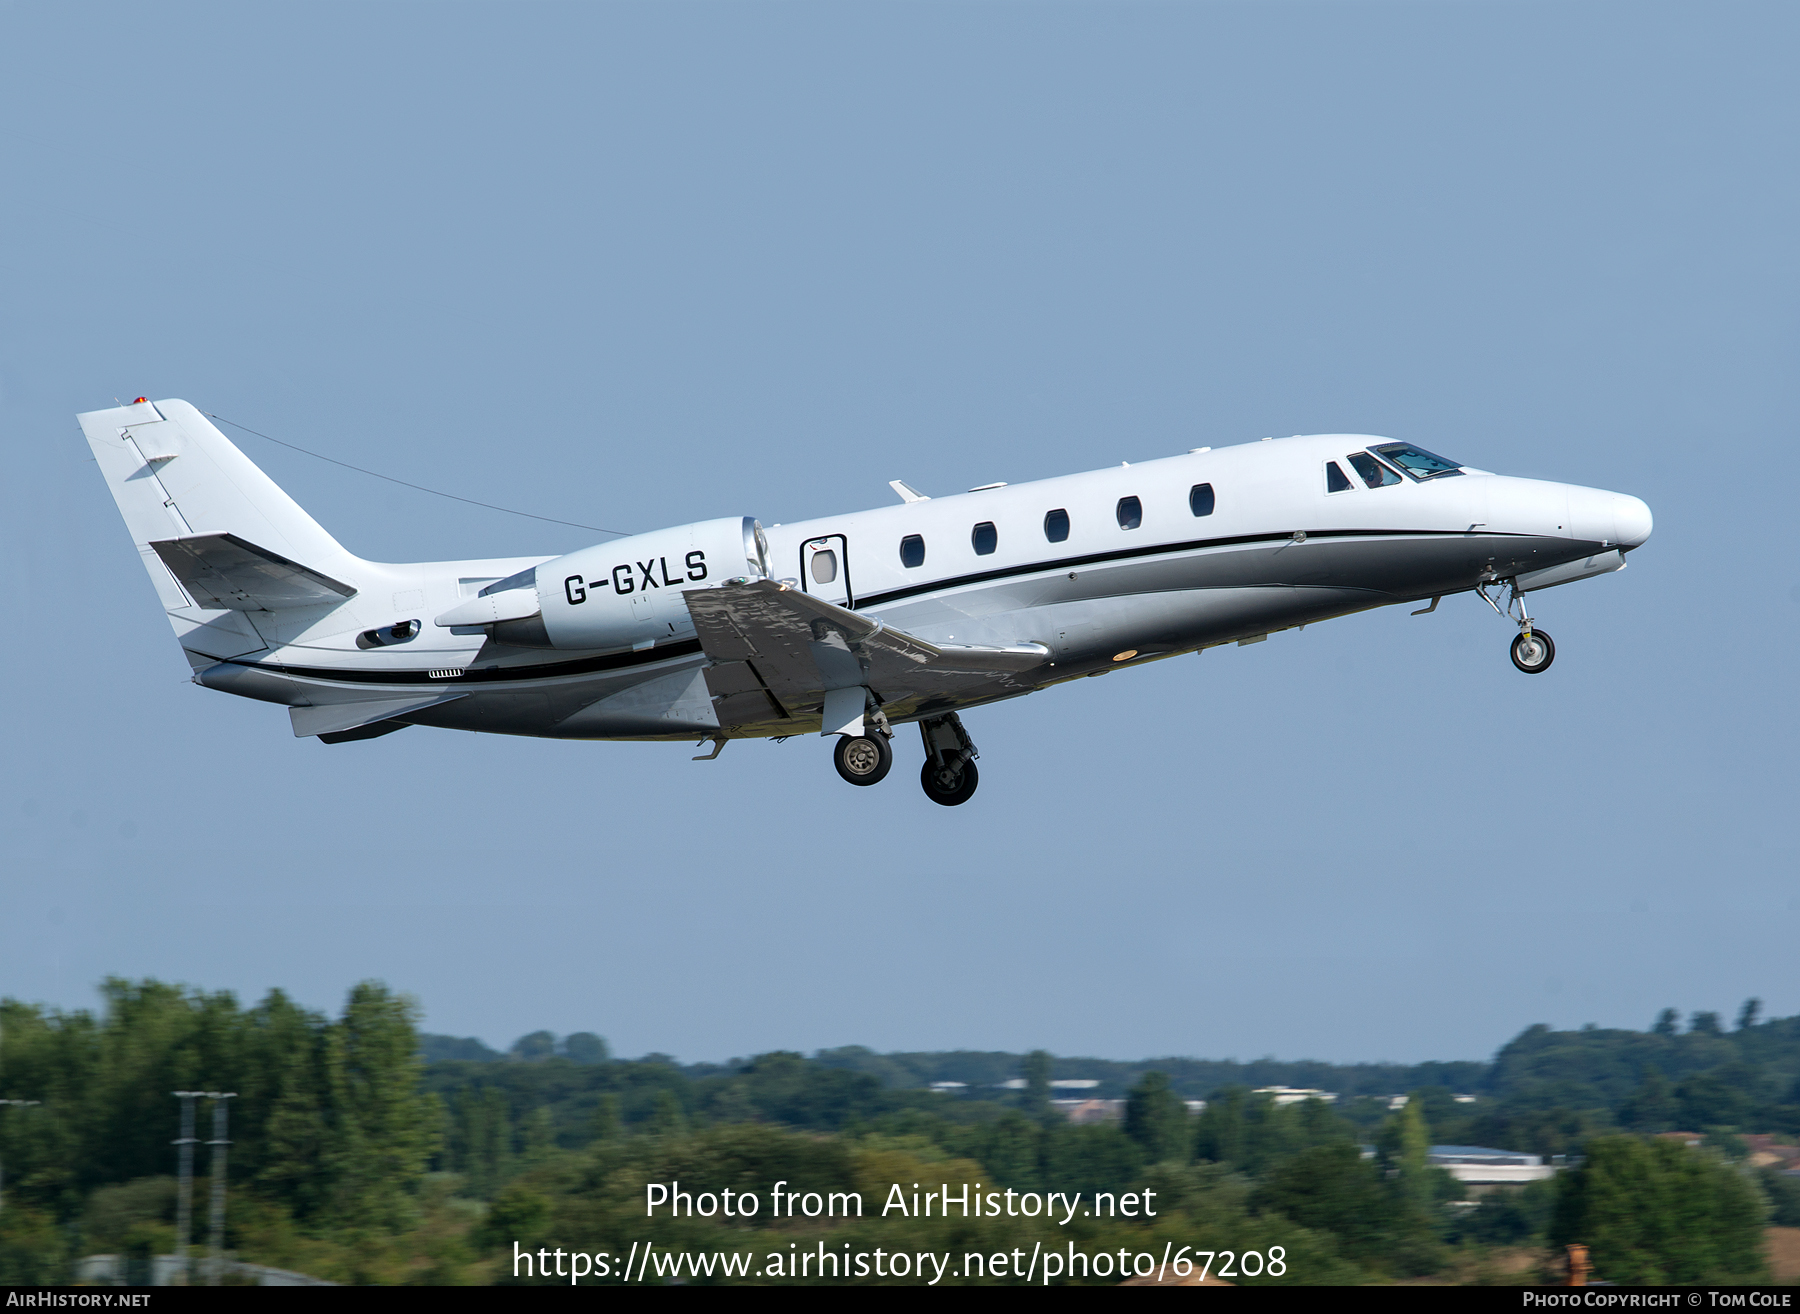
(356, 1159)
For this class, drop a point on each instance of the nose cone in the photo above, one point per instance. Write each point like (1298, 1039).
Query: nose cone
(1632, 522)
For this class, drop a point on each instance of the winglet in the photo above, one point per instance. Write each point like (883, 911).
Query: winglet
(907, 492)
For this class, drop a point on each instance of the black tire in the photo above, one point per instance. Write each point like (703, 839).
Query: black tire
(949, 794)
(1533, 653)
(862, 759)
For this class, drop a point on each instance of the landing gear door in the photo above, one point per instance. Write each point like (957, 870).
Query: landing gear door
(825, 569)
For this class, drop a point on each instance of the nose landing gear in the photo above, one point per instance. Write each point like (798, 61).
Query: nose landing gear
(949, 776)
(1532, 649)
(1532, 652)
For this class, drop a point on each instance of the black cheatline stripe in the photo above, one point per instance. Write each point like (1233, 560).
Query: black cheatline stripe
(489, 674)
(1164, 549)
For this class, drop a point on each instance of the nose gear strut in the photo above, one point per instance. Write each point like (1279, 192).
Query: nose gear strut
(1532, 650)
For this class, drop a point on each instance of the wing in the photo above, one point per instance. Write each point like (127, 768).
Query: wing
(222, 572)
(776, 652)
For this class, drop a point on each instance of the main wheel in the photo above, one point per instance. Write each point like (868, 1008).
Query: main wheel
(862, 759)
(1533, 653)
(946, 787)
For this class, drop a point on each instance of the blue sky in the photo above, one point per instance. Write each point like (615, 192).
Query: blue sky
(763, 258)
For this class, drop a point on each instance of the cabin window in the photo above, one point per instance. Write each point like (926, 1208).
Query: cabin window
(1130, 513)
(824, 566)
(1335, 481)
(1373, 472)
(1056, 525)
(1200, 499)
(912, 551)
(985, 538)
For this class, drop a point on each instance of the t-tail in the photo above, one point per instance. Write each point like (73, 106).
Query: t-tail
(226, 549)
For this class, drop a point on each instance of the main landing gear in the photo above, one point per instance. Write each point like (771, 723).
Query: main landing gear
(863, 759)
(949, 776)
(1533, 650)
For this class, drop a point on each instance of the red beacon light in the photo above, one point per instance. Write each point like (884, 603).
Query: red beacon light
(139, 401)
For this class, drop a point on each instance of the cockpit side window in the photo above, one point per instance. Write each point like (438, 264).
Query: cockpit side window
(1373, 472)
(1416, 461)
(1335, 482)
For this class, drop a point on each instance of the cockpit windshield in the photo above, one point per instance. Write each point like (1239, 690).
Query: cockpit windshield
(1416, 461)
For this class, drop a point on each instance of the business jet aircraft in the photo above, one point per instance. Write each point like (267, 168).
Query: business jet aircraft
(845, 626)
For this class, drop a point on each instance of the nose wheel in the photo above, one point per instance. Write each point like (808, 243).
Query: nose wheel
(863, 759)
(1532, 651)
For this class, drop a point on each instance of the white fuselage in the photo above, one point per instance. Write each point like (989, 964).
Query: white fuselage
(1275, 550)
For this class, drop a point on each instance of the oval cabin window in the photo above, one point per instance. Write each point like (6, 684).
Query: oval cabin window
(1056, 526)
(1131, 513)
(1200, 499)
(824, 566)
(985, 538)
(912, 551)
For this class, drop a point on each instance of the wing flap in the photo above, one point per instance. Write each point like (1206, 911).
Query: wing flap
(223, 572)
(777, 652)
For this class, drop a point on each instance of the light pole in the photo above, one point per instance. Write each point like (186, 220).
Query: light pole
(218, 1144)
(12, 1104)
(184, 1191)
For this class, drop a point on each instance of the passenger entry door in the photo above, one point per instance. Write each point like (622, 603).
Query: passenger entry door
(825, 569)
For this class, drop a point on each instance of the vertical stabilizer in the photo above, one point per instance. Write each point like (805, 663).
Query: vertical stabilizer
(182, 487)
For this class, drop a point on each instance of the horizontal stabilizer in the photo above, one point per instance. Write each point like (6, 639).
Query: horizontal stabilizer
(338, 717)
(222, 572)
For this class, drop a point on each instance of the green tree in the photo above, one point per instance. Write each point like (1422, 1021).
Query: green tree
(1667, 1023)
(585, 1047)
(1332, 1188)
(1036, 1070)
(1652, 1107)
(385, 1128)
(1704, 1024)
(1415, 1188)
(1714, 1099)
(1653, 1213)
(606, 1126)
(1157, 1119)
(666, 1118)
(1747, 1015)
(537, 1045)
(1220, 1134)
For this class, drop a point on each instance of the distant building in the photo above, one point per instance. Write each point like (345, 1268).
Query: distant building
(1086, 1111)
(1075, 1083)
(1479, 1165)
(1689, 1139)
(1295, 1094)
(1766, 1153)
(949, 1087)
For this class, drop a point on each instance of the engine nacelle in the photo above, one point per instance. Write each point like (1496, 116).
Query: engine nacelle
(623, 594)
